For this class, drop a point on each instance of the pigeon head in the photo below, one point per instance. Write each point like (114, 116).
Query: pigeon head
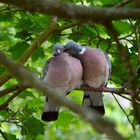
(73, 48)
(57, 48)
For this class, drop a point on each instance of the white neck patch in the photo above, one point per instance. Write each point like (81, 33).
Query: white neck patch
(82, 51)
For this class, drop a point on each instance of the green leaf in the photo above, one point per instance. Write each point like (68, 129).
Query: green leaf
(39, 137)
(10, 136)
(34, 126)
(87, 30)
(55, 38)
(2, 69)
(23, 34)
(39, 53)
(25, 94)
(4, 114)
(6, 17)
(18, 49)
(66, 118)
(108, 2)
(123, 27)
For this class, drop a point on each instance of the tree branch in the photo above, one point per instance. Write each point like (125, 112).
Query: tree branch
(117, 91)
(28, 78)
(5, 104)
(137, 3)
(73, 11)
(11, 89)
(35, 44)
(121, 90)
(123, 3)
(3, 135)
(133, 127)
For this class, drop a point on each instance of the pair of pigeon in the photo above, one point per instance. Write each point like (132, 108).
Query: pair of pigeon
(71, 66)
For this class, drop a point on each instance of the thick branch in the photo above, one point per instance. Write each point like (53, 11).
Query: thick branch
(35, 44)
(73, 11)
(29, 79)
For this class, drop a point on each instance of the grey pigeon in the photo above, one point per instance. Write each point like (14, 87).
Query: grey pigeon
(96, 71)
(63, 73)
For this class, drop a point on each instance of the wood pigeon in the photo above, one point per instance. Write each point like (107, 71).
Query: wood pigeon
(96, 71)
(63, 73)
(57, 48)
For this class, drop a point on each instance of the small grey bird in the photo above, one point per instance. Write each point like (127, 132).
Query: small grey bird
(96, 71)
(63, 73)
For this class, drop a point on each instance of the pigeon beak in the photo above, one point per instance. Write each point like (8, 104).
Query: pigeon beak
(58, 51)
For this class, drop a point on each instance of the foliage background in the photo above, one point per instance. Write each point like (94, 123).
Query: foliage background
(21, 119)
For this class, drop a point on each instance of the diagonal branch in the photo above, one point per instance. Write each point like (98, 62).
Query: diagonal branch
(5, 104)
(72, 11)
(133, 127)
(30, 79)
(3, 135)
(11, 89)
(123, 3)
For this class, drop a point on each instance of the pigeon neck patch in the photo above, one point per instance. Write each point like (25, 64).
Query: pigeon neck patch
(82, 51)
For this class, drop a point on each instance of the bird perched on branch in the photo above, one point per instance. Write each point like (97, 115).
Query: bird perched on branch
(96, 71)
(63, 73)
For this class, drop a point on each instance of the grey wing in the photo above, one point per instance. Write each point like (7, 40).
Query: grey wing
(46, 67)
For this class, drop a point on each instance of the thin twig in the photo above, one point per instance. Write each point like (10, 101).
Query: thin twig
(3, 135)
(133, 127)
(126, 98)
(11, 89)
(6, 103)
(121, 90)
(123, 3)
